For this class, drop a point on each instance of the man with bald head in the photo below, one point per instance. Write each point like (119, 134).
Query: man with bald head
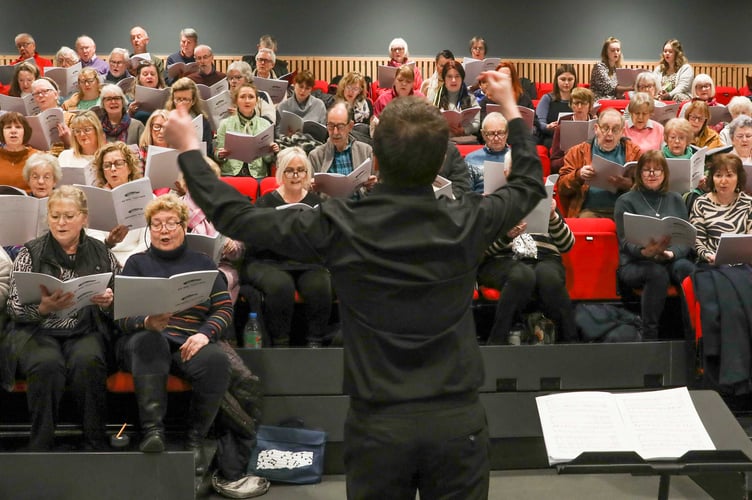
(87, 54)
(207, 73)
(27, 49)
(140, 44)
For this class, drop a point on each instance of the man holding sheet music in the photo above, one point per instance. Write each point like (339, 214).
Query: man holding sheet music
(403, 264)
(207, 74)
(341, 154)
(578, 179)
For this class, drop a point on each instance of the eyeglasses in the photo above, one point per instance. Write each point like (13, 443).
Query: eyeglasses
(232, 78)
(295, 172)
(676, 138)
(606, 130)
(45, 177)
(87, 81)
(703, 86)
(353, 88)
(657, 172)
(739, 137)
(263, 60)
(337, 126)
(156, 127)
(170, 225)
(494, 133)
(43, 92)
(63, 217)
(111, 98)
(82, 130)
(398, 49)
(114, 165)
(22, 45)
(695, 118)
(182, 100)
(116, 63)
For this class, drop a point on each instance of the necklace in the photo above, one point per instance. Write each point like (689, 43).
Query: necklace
(656, 210)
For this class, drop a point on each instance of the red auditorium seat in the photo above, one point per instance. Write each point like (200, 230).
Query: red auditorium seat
(693, 307)
(724, 94)
(123, 382)
(591, 264)
(545, 160)
(268, 184)
(246, 185)
(466, 149)
(544, 88)
(618, 104)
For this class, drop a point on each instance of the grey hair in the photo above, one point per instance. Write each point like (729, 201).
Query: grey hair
(42, 160)
(267, 51)
(741, 121)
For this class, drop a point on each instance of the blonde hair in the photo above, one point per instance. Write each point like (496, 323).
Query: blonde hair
(134, 167)
(85, 119)
(167, 203)
(69, 193)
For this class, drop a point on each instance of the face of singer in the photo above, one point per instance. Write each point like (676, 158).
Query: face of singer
(115, 175)
(478, 50)
(677, 142)
(453, 80)
(13, 135)
(339, 126)
(117, 65)
(148, 77)
(162, 238)
(742, 141)
(725, 181)
(42, 181)
(25, 79)
(157, 132)
(640, 117)
(183, 99)
(235, 79)
(614, 53)
(246, 101)
(398, 54)
(45, 95)
(652, 175)
(187, 45)
(296, 182)
(66, 232)
(669, 54)
(26, 47)
(608, 131)
(402, 86)
(302, 91)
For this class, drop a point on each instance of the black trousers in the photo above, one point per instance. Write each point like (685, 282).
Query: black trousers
(654, 279)
(519, 281)
(278, 287)
(149, 353)
(48, 363)
(440, 452)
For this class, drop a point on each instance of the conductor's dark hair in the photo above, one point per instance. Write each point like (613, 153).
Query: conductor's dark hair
(410, 142)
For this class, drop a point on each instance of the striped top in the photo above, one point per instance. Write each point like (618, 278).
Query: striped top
(558, 240)
(712, 220)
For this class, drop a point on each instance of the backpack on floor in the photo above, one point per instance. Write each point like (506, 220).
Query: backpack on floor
(607, 323)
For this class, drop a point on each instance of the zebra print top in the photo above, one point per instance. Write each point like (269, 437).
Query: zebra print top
(712, 220)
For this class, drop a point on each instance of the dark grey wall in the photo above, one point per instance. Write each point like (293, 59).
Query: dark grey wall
(520, 29)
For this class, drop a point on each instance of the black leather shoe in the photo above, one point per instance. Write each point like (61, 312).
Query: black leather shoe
(152, 442)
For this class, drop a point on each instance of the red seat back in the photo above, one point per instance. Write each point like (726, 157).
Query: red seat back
(268, 184)
(466, 149)
(246, 185)
(591, 264)
(618, 104)
(724, 94)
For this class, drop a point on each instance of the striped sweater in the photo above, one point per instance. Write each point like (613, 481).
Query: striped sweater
(559, 239)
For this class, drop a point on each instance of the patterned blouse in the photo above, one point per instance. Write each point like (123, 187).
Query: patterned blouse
(712, 220)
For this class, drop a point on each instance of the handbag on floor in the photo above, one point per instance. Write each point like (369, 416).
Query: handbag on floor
(288, 454)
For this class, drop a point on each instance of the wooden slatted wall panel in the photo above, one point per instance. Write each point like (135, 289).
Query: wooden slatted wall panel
(537, 70)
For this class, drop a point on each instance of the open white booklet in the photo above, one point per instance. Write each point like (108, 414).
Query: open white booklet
(658, 425)
(442, 187)
(83, 288)
(246, 147)
(209, 245)
(604, 169)
(462, 118)
(734, 249)
(66, 78)
(573, 132)
(44, 131)
(123, 205)
(474, 67)
(277, 89)
(150, 99)
(686, 173)
(342, 186)
(385, 74)
(641, 229)
(539, 217)
(218, 107)
(25, 105)
(24, 218)
(625, 77)
(141, 296)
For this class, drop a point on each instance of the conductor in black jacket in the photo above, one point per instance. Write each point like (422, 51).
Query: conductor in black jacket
(403, 264)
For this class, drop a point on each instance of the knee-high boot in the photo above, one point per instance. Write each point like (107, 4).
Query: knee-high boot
(151, 395)
(201, 415)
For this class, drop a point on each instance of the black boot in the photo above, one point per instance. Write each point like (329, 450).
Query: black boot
(195, 443)
(203, 410)
(151, 395)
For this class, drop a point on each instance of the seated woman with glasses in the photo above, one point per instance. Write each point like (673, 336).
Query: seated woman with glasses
(703, 89)
(660, 263)
(46, 94)
(65, 57)
(116, 122)
(740, 130)
(698, 116)
(153, 134)
(238, 73)
(88, 91)
(88, 137)
(184, 95)
(278, 277)
(581, 101)
(737, 106)
(114, 165)
(248, 121)
(352, 88)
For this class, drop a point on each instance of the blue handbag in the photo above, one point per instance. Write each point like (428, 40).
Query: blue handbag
(288, 454)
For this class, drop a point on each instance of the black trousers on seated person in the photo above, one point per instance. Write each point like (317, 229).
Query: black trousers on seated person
(150, 353)
(392, 451)
(279, 285)
(519, 281)
(47, 363)
(654, 279)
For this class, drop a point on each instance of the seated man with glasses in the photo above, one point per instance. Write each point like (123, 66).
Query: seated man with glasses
(27, 49)
(265, 61)
(341, 154)
(577, 197)
(268, 42)
(207, 73)
(494, 132)
(119, 61)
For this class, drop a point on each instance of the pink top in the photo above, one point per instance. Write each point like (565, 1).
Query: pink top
(648, 138)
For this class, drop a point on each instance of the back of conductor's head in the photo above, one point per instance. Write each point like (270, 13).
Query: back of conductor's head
(410, 142)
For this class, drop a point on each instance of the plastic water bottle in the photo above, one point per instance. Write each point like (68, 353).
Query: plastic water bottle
(252, 332)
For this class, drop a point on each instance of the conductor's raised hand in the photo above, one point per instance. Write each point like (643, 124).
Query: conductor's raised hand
(179, 131)
(500, 91)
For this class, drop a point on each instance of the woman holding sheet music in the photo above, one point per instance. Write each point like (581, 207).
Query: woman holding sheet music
(87, 95)
(114, 165)
(675, 73)
(725, 209)
(454, 95)
(277, 277)
(147, 75)
(698, 115)
(646, 133)
(153, 134)
(603, 81)
(581, 102)
(184, 95)
(116, 122)
(14, 152)
(88, 137)
(52, 349)
(553, 104)
(238, 73)
(246, 121)
(660, 263)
